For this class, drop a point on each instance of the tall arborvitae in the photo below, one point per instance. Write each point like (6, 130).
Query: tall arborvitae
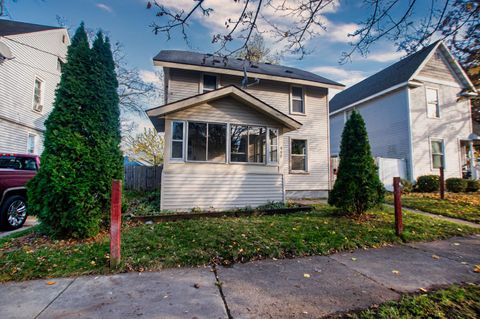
(358, 187)
(105, 120)
(60, 193)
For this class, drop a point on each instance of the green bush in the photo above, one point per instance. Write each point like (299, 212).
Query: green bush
(358, 187)
(456, 185)
(407, 186)
(428, 183)
(472, 186)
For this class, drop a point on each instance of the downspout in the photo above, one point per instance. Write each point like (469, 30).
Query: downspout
(410, 139)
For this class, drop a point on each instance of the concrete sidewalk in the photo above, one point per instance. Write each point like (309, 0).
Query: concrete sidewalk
(294, 288)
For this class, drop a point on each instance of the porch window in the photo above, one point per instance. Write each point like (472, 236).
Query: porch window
(433, 108)
(207, 142)
(438, 154)
(248, 144)
(177, 140)
(298, 156)
(209, 83)
(298, 105)
(273, 145)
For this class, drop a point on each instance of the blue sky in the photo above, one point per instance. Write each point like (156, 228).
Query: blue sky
(127, 21)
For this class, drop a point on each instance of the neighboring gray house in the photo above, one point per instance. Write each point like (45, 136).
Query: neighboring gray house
(230, 145)
(417, 109)
(28, 79)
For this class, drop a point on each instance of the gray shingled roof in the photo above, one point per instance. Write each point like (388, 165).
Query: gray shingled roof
(201, 59)
(8, 27)
(397, 73)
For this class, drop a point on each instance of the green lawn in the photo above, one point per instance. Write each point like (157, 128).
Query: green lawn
(454, 205)
(219, 240)
(454, 302)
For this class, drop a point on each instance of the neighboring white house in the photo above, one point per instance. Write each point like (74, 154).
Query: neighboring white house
(28, 78)
(230, 145)
(417, 109)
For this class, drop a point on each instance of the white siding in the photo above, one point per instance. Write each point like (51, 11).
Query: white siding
(13, 138)
(17, 78)
(219, 191)
(386, 119)
(453, 125)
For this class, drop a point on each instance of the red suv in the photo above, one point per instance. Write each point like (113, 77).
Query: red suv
(15, 171)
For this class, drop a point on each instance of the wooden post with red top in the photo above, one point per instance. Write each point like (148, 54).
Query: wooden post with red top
(115, 223)
(397, 193)
(442, 183)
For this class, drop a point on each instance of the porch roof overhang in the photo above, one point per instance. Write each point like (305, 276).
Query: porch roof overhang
(158, 113)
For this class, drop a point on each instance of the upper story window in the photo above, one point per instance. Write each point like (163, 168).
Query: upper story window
(38, 95)
(209, 83)
(433, 107)
(438, 153)
(64, 39)
(297, 100)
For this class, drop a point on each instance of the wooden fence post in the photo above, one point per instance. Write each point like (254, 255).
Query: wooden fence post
(397, 193)
(115, 223)
(442, 183)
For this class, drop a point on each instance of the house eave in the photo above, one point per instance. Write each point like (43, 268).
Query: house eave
(167, 64)
(164, 110)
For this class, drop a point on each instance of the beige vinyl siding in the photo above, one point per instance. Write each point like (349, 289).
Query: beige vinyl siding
(453, 125)
(182, 84)
(219, 185)
(219, 192)
(18, 77)
(438, 68)
(315, 131)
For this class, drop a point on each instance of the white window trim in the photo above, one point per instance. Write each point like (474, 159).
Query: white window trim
(435, 139)
(42, 93)
(34, 143)
(217, 82)
(228, 160)
(304, 101)
(269, 160)
(438, 102)
(306, 156)
(206, 144)
(172, 159)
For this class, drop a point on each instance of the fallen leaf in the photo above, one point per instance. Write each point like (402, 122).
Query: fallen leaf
(435, 257)
(396, 272)
(354, 259)
(477, 268)
(306, 275)
(51, 283)
(456, 244)
(423, 290)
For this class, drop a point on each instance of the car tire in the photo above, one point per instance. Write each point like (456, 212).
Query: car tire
(13, 212)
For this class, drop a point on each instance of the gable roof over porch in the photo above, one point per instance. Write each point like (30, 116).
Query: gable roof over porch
(157, 114)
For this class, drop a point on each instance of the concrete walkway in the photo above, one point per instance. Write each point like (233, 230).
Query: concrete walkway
(294, 288)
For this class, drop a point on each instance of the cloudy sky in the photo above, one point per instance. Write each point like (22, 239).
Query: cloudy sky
(129, 22)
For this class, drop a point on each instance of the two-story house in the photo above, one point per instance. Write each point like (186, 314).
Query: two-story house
(417, 109)
(233, 140)
(29, 74)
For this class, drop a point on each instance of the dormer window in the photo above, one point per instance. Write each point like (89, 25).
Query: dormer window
(209, 83)
(297, 100)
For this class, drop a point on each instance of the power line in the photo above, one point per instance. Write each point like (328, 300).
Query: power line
(32, 47)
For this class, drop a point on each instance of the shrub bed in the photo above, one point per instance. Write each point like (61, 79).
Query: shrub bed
(428, 183)
(456, 185)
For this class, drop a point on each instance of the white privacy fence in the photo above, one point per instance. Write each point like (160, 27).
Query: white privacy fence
(388, 168)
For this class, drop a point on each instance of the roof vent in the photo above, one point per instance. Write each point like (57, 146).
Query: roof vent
(288, 71)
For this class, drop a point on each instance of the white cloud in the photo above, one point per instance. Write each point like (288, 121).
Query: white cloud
(104, 7)
(150, 77)
(339, 32)
(346, 77)
(385, 56)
